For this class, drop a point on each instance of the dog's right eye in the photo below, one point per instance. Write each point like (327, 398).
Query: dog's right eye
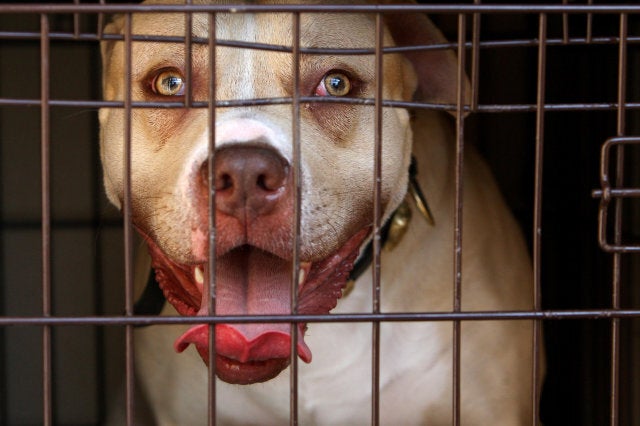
(334, 83)
(168, 83)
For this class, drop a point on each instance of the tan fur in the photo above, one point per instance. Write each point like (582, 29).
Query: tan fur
(417, 276)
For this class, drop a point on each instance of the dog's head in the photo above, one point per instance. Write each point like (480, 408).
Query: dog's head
(253, 175)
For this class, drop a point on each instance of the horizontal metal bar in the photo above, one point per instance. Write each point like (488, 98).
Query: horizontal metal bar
(486, 108)
(316, 8)
(616, 193)
(619, 248)
(487, 44)
(57, 224)
(329, 318)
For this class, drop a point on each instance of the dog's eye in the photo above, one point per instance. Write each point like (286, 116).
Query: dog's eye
(169, 83)
(334, 84)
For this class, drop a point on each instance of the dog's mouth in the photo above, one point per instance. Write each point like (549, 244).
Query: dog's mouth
(252, 281)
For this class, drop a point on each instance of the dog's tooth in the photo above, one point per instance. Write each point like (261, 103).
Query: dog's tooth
(301, 276)
(198, 274)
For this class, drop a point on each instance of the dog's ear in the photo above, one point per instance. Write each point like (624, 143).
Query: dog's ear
(114, 27)
(436, 70)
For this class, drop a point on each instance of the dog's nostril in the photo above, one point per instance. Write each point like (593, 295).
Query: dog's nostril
(261, 182)
(270, 181)
(224, 181)
(221, 180)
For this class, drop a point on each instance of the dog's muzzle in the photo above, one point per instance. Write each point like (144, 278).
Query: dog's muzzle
(254, 203)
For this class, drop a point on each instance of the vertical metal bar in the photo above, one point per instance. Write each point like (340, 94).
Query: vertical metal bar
(617, 257)
(188, 38)
(475, 59)
(76, 22)
(212, 218)
(622, 77)
(537, 212)
(589, 24)
(295, 111)
(128, 227)
(457, 237)
(98, 283)
(45, 142)
(99, 30)
(377, 221)
(565, 24)
(604, 200)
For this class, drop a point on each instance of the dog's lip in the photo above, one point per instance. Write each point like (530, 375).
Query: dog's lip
(234, 372)
(228, 369)
(269, 276)
(244, 353)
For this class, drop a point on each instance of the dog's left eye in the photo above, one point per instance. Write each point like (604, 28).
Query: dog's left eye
(168, 83)
(334, 83)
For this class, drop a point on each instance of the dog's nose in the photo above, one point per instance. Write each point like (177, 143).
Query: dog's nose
(249, 181)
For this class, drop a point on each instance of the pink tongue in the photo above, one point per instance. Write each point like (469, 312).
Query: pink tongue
(248, 281)
(231, 343)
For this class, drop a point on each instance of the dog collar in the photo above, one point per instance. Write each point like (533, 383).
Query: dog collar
(152, 299)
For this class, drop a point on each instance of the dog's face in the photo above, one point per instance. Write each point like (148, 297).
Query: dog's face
(254, 169)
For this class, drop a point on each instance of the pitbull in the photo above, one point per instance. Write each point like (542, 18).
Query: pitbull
(255, 201)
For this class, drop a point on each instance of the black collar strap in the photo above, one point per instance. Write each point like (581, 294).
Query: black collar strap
(420, 200)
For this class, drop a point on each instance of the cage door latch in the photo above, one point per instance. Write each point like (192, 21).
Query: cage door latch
(612, 191)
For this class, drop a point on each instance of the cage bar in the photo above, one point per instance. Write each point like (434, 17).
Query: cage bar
(128, 223)
(537, 216)
(617, 259)
(458, 213)
(45, 127)
(297, 184)
(211, 277)
(377, 221)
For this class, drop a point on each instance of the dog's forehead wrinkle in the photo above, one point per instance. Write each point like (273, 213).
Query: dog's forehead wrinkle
(265, 28)
(348, 31)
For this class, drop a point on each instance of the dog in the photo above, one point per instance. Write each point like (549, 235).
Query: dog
(255, 202)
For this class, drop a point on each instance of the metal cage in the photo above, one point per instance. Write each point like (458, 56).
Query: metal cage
(555, 104)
